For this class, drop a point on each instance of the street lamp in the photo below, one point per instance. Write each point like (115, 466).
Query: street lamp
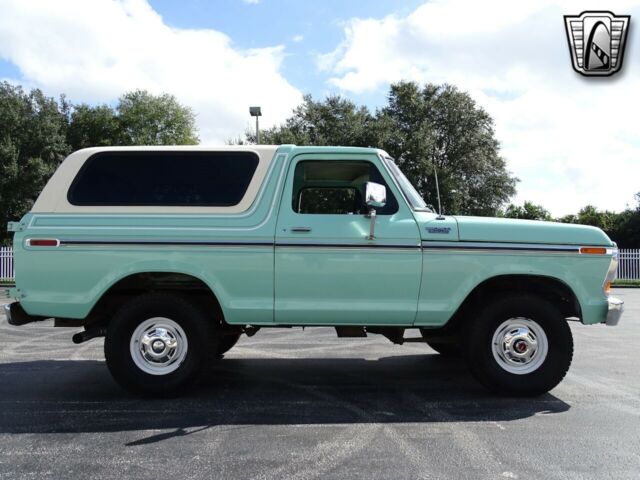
(256, 112)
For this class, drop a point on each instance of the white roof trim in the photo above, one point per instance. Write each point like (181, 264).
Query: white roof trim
(53, 198)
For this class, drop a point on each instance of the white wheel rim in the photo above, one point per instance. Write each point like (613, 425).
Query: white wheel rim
(520, 346)
(158, 346)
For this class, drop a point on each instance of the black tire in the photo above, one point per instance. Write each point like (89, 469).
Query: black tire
(487, 369)
(201, 343)
(446, 349)
(227, 342)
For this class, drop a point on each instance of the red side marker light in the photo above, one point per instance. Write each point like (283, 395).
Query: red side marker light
(44, 242)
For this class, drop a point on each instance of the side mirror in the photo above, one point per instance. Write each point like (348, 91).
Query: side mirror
(375, 197)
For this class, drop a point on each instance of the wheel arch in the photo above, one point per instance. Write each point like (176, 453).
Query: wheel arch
(551, 288)
(171, 281)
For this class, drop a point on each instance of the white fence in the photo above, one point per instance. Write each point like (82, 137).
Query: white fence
(629, 264)
(629, 267)
(6, 263)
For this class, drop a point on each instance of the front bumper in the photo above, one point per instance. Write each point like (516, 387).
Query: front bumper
(614, 311)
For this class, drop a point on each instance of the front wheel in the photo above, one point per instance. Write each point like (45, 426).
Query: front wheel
(519, 345)
(158, 344)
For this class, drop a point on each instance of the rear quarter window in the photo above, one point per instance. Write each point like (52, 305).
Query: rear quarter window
(205, 179)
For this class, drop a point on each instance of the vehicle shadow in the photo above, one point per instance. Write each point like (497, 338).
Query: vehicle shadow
(80, 396)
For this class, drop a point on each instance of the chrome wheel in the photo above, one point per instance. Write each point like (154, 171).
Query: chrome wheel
(520, 346)
(158, 346)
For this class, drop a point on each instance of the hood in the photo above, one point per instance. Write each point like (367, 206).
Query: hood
(488, 229)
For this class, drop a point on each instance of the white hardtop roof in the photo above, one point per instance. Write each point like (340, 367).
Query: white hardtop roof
(53, 197)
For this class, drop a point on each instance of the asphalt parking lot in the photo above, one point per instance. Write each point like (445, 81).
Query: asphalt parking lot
(305, 404)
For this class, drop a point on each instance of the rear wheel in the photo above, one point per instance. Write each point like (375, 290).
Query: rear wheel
(158, 343)
(519, 345)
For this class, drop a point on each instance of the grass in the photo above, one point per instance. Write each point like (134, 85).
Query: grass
(619, 282)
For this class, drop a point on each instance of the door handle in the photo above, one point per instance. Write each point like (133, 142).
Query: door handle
(300, 229)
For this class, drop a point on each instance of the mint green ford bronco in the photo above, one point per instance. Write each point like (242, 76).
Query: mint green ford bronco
(173, 253)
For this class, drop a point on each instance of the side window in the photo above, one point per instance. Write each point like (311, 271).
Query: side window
(167, 178)
(336, 187)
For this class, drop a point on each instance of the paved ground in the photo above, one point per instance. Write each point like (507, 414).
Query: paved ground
(304, 404)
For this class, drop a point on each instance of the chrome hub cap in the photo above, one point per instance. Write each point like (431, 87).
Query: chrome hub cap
(158, 346)
(520, 346)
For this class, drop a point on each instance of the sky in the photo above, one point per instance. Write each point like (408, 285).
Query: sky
(571, 140)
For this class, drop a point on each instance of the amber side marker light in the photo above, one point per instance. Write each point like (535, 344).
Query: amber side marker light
(593, 250)
(607, 287)
(43, 242)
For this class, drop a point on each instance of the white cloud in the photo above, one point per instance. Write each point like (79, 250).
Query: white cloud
(297, 38)
(95, 51)
(251, 2)
(571, 140)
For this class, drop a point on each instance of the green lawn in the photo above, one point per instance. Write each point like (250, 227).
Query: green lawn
(622, 282)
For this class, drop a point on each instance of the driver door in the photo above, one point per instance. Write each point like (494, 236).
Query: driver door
(327, 270)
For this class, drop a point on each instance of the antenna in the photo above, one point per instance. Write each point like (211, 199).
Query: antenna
(435, 173)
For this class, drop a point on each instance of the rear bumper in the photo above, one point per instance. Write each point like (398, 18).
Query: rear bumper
(17, 316)
(614, 311)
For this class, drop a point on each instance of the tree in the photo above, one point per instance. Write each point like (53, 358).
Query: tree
(32, 145)
(623, 228)
(528, 211)
(139, 118)
(93, 127)
(440, 127)
(146, 119)
(421, 128)
(334, 121)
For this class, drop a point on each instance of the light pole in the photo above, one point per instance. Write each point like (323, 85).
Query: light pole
(256, 112)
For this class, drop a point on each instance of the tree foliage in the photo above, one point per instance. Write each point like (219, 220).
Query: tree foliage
(528, 211)
(623, 228)
(139, 118)
(422, 128)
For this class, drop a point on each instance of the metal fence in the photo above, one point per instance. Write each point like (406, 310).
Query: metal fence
(629, 267)
(6, 264)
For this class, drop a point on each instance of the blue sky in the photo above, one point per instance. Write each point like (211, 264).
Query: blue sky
(571, 140)
(283, 22)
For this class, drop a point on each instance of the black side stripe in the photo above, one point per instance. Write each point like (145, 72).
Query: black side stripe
(346, 245)
(230, 244)
(501, 248)
(425, 245)
(166, 243)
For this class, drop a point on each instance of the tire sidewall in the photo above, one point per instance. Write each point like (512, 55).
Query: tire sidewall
(191, 319)
(484, 366)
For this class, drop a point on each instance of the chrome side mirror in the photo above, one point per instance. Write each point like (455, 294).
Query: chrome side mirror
(375, 197)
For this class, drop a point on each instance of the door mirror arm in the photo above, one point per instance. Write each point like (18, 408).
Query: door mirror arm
(375, 197)
(372, 224)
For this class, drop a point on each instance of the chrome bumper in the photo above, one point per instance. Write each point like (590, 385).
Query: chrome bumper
(614, 312)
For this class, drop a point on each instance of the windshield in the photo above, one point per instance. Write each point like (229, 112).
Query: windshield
(410, 193)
